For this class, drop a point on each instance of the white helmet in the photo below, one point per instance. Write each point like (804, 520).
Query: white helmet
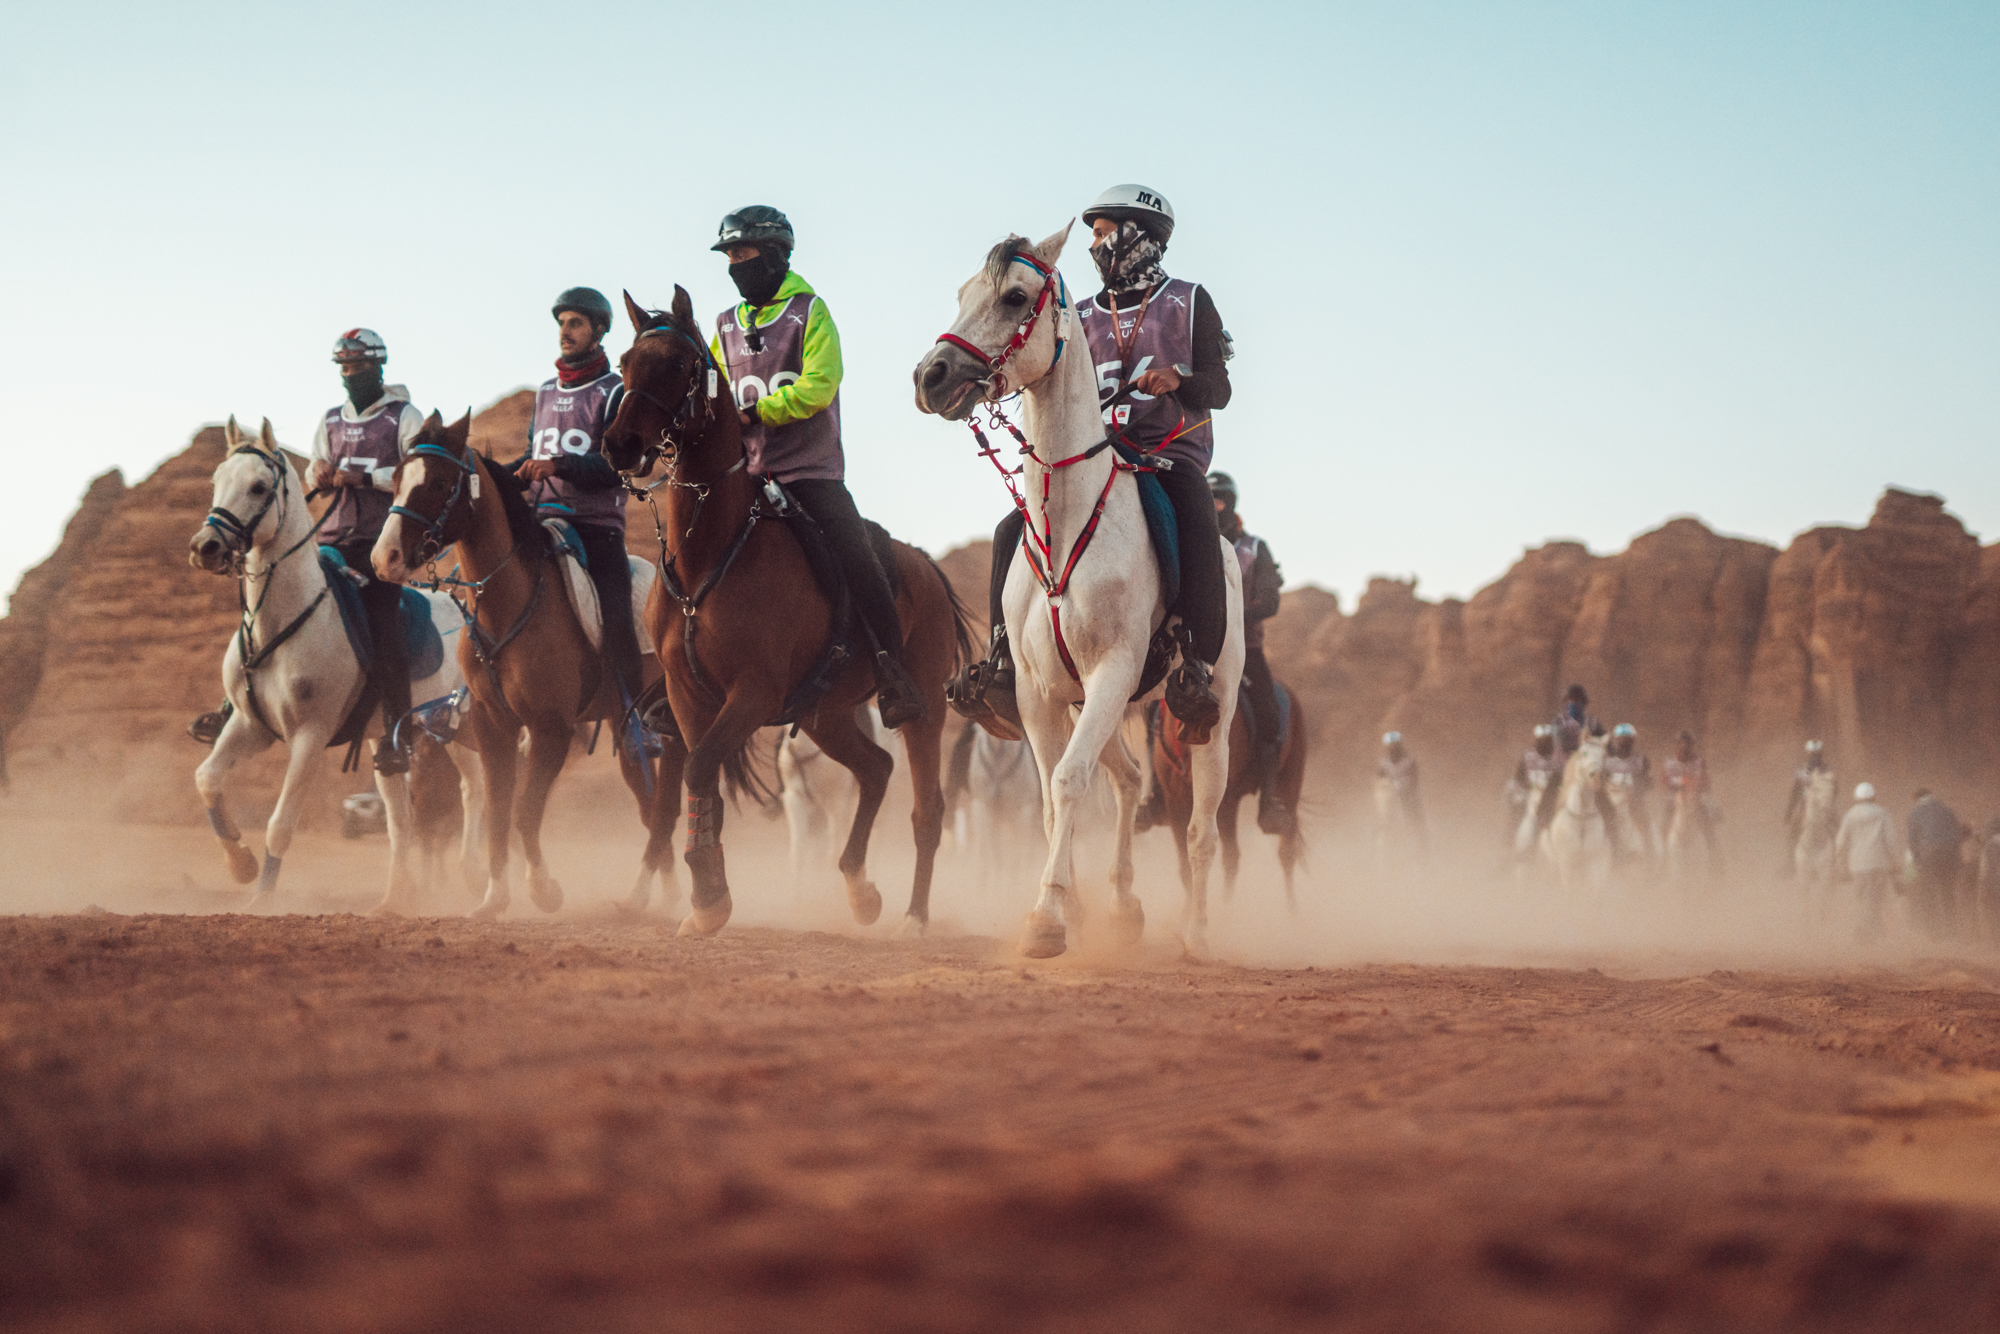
(1392, 738)
(1864, 792)
(1815, 747)
(363, 345)
(1138, 203)
(1544, 729)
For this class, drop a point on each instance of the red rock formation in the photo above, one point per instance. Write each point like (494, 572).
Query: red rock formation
(37, 603)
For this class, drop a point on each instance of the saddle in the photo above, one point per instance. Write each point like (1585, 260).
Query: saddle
(1160, 525)
(423, 646)
(571, 559)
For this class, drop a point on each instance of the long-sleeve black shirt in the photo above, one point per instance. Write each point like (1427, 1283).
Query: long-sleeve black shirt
(1208, 388)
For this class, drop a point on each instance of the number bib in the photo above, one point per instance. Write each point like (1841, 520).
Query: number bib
(572, 421)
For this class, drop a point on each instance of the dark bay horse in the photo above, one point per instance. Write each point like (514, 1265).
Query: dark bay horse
(1170, 770)
(527, 659)
(741, 622)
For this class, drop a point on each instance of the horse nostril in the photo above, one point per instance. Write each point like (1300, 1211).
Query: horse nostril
(934, 374)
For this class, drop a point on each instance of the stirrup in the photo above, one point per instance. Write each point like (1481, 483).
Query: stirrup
(391, 758)
(983, 692)
(208, 727)
(895, 693)
(658, 719)
(1192, 699)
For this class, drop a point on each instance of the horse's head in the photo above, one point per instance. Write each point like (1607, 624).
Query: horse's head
(436, 485)
(253, 488)
(671, 383)
(1585, 772)
(1013, 316)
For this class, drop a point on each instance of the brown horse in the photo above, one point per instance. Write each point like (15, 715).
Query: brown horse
(750, 629)
(1171, 772)
(526, 657)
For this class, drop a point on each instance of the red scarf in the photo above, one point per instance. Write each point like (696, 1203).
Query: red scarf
(571, 374)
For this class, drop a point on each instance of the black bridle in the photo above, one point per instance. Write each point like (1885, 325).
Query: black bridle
(694, 404)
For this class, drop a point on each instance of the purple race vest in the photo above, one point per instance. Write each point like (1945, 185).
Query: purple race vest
(1165, 339)
(360, 511)
(1246, 560)
(806, 450)
(572, 421)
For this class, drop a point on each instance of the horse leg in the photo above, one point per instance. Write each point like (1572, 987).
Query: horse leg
(1068, 786)
(1128, 915)
(500, 753)
(548, 747)
(923, 745)
(660, 833)
(709, 904)
(302, 760)
(1232, 846)
(241, 738)
(1210, 766)
(472, 802)
(846, 745)
(400, 814)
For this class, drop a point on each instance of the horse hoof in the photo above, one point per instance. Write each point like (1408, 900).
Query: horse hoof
(630, 910)
(546, 893)
(707, 921)
(1194, 947)
(866, 901)
(242, 863)
(487, 912)
(912, 927)
(1128, 923)
(384, 910)
(1042, 941)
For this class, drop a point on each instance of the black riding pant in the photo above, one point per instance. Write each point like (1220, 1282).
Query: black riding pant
(383, 602)
(1202, 605)
(604, 549)
(1263, 695)
(867, 582)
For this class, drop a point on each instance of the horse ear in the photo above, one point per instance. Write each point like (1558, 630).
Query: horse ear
(683, 307)
(232, 435)
(433, 425)
(268, 438)
(1051, 249)
(635, 313)
(459, 431)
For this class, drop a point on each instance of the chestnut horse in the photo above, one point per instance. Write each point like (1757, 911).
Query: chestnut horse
(527, 659)
(1172, 760)
(750, 626)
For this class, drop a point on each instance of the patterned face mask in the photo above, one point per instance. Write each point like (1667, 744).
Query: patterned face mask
(1129, 259)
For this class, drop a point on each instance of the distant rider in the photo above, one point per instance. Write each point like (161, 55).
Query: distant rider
(781, 354)
(1688, 772)
(1536, 778)
(569, 478)
(1574, 721)
(1261, 586)
(1867, 849)
(355, 453)
(1936, 836)
(1802, 783)
(1399, 769)
(1625, 767)
(1159, 350)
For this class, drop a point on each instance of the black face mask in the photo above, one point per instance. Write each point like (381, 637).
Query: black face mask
(758, 279)
(364, 387)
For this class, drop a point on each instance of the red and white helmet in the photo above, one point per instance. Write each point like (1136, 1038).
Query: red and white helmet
(360, 345)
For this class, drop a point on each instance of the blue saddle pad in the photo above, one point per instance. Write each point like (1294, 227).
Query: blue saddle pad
(564, 536)
(1256, 724)
(422, 644)
(1160, 526)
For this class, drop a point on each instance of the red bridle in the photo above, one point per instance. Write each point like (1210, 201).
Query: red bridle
(996, 381)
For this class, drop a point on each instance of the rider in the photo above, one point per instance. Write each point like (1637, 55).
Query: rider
(1159, 350)
(1624, 764)
(1400, 768)
(1574, 720)
(1261, 585)
(1802, 781)
(1687, 771)
(781, 353)
(569, 478)
(355, 455)
(1538, 775)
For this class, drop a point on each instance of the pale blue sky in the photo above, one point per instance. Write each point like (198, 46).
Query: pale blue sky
(1496, 273)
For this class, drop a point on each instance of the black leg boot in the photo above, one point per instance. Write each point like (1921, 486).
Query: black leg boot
(984, 691)
(1274, 815)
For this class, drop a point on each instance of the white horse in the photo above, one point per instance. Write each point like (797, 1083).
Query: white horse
(1631, 821)
(1812, 855)
(1016, 312)
(302, 678)
(1576, 844)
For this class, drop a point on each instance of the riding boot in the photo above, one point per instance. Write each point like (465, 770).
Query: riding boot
(1274, 814)
(1191, 695)
(208, 726)
(983, 691)
(829, 505)
(383, 603)
(895, 693)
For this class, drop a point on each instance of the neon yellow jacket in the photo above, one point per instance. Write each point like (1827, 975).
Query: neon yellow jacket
(819, 380)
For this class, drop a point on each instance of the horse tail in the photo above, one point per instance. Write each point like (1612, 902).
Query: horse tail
(961, 619)
(743, 776)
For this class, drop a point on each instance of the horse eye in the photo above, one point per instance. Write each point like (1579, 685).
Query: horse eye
(258, 489)
(1015, 298)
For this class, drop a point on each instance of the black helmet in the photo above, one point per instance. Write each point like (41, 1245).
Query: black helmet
(1223, 487)
(586, 301)
(754, 225)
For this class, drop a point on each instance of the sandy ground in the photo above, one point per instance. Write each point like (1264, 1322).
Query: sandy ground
(1442, 1103)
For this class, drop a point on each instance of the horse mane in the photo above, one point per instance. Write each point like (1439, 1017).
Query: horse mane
(521, 521)
(1001, 256)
